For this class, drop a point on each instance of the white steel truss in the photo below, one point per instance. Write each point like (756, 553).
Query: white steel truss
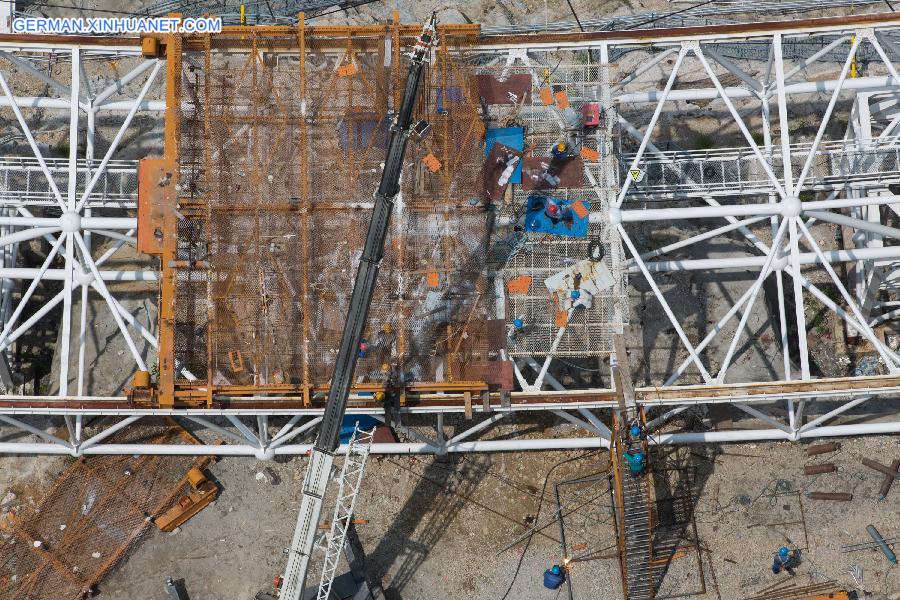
(772, 188)
(85, 199)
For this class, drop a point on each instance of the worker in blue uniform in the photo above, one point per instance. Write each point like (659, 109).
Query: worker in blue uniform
(561, 151)
(636, 462)
(554, 577)
(636, 431)
(787, 560)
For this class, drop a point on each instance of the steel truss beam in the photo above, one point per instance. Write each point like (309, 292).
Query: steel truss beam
(790, 249)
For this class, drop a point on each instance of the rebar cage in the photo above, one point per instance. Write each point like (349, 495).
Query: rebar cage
(282, 136)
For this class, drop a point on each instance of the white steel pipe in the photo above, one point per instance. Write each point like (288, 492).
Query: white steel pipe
(479, 446)
(837, 219)
(740, 210)
(696, 238)
(811, 87)
(697, 212)
(740, 123)
(35, 102)
(127, 105)
(83, 222)
(59, 274)
(113, 146)
(851, 57)
(753, 262)
(656, 113)
(119, 84)
(59, 104)
(748, 435)
(24, 235)
(860, 429)
(830, 415)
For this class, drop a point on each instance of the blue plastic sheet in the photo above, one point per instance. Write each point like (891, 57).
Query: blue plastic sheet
(514, 137)
(537, 220)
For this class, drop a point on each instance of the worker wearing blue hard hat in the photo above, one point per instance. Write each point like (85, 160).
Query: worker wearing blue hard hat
(636, 462)
(554, 577)
(785, 559)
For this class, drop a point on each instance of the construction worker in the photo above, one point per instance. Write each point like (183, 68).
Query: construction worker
(636, 462)
(561, 151)
(556, 211)
(554, 577)
(517, 329)
(635, 431)
(787, 560)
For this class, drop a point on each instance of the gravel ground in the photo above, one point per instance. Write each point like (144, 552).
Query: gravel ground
(435, 526)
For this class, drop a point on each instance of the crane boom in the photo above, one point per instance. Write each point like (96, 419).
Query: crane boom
(322, 456)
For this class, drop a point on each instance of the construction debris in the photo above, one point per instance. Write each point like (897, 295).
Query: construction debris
(102, 519)
(888, 471)
(818, 469)
(834, 496)
(867, 545)
(201, 494)
(823, 448)
(888, 481)
(888, 553)
(791, 591)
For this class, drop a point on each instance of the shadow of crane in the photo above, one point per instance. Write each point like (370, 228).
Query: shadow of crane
(679, 476)
(441, 493)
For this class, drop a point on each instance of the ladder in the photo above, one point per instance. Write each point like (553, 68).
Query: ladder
(634, 516)
(350, 481)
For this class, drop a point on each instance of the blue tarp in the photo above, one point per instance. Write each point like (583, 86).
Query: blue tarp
(454, 95)
(349, 423)
(364, 126)
(536, 220)
(514, 137)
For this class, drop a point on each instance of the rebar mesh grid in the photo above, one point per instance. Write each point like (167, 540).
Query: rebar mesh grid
(279, 157)
(97, 509)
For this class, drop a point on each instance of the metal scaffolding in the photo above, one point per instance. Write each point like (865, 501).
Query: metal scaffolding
(272, 135)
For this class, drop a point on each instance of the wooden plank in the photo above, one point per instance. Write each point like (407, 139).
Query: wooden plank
(624, 369)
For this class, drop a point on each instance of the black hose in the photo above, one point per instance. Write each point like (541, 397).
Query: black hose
(538, 514)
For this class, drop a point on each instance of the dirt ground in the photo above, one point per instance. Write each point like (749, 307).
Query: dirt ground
(438, 527)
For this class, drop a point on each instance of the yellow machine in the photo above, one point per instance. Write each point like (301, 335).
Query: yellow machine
(202, 492)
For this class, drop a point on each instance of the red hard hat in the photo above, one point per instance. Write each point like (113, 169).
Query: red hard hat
(552, 209)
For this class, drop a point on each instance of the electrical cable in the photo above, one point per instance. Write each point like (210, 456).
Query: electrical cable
(344, 9)
(671, 14)
(574, 366)
(538, 514)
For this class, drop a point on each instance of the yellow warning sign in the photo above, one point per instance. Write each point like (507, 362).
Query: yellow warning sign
(637, 175)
